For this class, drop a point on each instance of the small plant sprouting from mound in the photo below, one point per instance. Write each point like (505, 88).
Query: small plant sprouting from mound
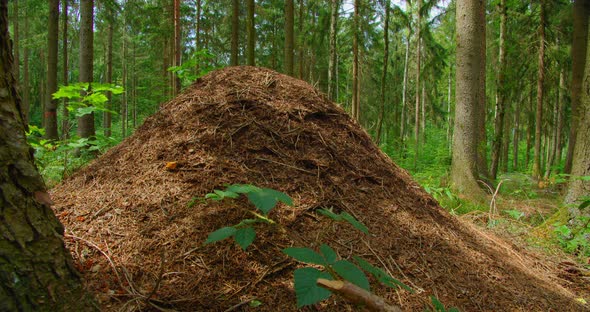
(346, 274)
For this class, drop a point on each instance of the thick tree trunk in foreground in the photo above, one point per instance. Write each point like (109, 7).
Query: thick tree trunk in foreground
(482, 156)
(86, 122)
(581, 159)
(500, 107)
(581, 10)
(464, 165)
(540, 80)
(36, 272)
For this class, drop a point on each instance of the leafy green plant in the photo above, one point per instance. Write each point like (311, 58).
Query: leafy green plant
(264, 199)
(514, 214)
(439, 307)
(86, 98)
(305, 279)
(186, 71)
(575, 237)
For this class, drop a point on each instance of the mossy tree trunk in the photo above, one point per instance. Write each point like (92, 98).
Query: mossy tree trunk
(36, 272)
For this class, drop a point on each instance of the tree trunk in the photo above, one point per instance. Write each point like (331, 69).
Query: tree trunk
(198, 34)
(464, 173)
(26, 90)
(482, 160)
(86, 122)
(107, 117)
(529, 131)
(540, 81)
(37, 271)
(405, 87)
(289, 36)
(333, 66)
(500, 94)
(355, 62)
(581, 11)
(235, 32)
(177, 47)
(559, 135)
(301, 40)
(417, 107)
(15, 41)
(384, 73)
(516, 134)
(581, 160)
(251, 34)
(124, 97)
(65, 126)
(50, 103)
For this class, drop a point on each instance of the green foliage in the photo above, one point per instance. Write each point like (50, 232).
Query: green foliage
(86, 98)
(514, 214)
(439, 307)
(345, 216)
(574, 237)
(306, 288)
(200, 59)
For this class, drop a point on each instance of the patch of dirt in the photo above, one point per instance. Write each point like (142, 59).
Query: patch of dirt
(253, 125)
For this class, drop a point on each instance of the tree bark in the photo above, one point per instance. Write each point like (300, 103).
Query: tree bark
(581, 10)
(107, 117)
(15, 41)
(26, 91)
(464, 172)
(251, 34)
(355, 62)
(559, 135)
(581, 160)
(500, 94)
(177, 47)
(36, 271)
(482, 160)
(198, 34)
(384, 72)
(405, 86)
(516, 134)
(417, 93)
(50, 103)
(289, 36)
(86, 122)
(235, 32)
(65, 126)
(333, 66)
(540, 90)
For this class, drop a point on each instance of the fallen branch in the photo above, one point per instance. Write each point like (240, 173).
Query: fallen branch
(358, 295)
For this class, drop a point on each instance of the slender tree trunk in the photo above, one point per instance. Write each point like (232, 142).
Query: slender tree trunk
(65, 126)
(417, 107)
(333, 66)
(251, 34)
(107, 117)
(559, 135)
(37, 270)
(15, 42)
(42, 84)
(516, 134)
(86, 122)
(505, 144)
(177, 46)
(405, 86)
(540, 81)
(198, 34)
(26, 91)
(124, 98)
(235, 32)
(50, 103)
(449, 119)
(134, 86)
(464, 173)
(302, 40)
(581, 10)
(500, 94)
(529, 131)
(289, 36)
(384, 72)
(355, 61)
(552, 148)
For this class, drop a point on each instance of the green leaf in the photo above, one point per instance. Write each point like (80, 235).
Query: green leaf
(358, 225)
(350, 272)
(224, 194)
(220, 234)
(306, 288)
(330, 214)
(213, 196)
(380, 275)
(304, 255)
(584, 204)
(263, 201)
(328, 253)
(245, 236)
(242, 188)
(85, 111)
(438, 306)
(255, 303)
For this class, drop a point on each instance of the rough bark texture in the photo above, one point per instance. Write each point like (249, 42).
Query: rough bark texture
(177, 47)
(50, 103)
(251, 34)
(26, 76)
(464, 164)
(36, 272)
(107, 117)
(500, 109)
(482, 157)
(581, 11)
(235, 32)
(417, 107)
(581, 160)
(332, 66)
(65, 126)
(383, 73)
(86, 122)
(289, 36)
(540, 81)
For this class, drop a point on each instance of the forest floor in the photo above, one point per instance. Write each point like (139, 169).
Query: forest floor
(137, 232)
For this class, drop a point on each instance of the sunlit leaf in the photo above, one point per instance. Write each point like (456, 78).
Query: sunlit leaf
(221, 234)
(306, 288)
